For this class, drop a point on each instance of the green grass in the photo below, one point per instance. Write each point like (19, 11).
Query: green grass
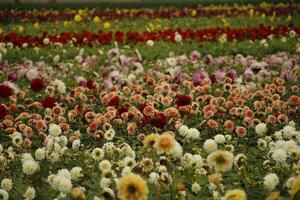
(159, 50)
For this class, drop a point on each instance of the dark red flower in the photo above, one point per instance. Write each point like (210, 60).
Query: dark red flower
(49, 102)
(3, 111)
(37, 84)
(183, 100)
(159, 120)
(142, 106)
(90, 84)
(232, 74)
(12, 76)
(5, 91)
(82, 84)
(114, 101)
(213, 78)
(122, 109)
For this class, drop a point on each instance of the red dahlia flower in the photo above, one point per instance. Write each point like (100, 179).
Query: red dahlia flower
(3, 111)
(159, 120)
(122, 109)
(49, 102)
(90, 84)
(12, 76)
(37, 84)
(142, 106)
(114, 101)
(5, 91)
(294, 100)
(183, 100)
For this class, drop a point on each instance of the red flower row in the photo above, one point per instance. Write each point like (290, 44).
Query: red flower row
(54, 15)
(200, 35)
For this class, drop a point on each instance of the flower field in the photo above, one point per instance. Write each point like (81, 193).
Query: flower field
(184, 103)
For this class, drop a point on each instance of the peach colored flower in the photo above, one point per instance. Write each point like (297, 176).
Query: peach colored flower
(271, 119)
(27, 143)
(229, 125)
(282, 118)
(295, 89)
(241, 131)
(28, 131)
(131, 128)
(281, 89)
(248, 122)
(212, 124)
(294, 100)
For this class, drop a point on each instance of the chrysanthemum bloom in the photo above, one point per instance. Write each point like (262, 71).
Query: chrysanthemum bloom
(212, 124)
(5, 91)
(141, 137)
(221, 160)
(147, 164)
(28, 131)
(149, 110)
(295, 188)
(294, 100)
(236, 194)
(248, 122)
(132, 187)
(183, 100)
(172, 112)
(150, 140)
(3, 111)
(209, 114)
(229, 125)
(249, 113)
(159, 120)
(49, 102)
(271, 119)
(295, 89)
(165, 143)
(78, 193)
(282, 118)
(8, 123)
(37, 84)
(215, 178)
(241, 131)
(131, 128)
(166, 101)
(114, 101)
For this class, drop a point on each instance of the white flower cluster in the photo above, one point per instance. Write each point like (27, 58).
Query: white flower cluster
(56, 144)
(289, 132)
(59, 85)
(6, 184)
(76, 144)
(282, 149)
(29, 193)
(62, 181)
(17, 139)
(97, 154)
(189, 160)
(32, 74)
(29, 165)
(178, 37)
(189, 133)
(210, 145)
(261, 129)
(271, 181)
(109, 134)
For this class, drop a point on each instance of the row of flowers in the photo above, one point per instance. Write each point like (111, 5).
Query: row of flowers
(170, 35)
(7, 16)
(180, 128)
